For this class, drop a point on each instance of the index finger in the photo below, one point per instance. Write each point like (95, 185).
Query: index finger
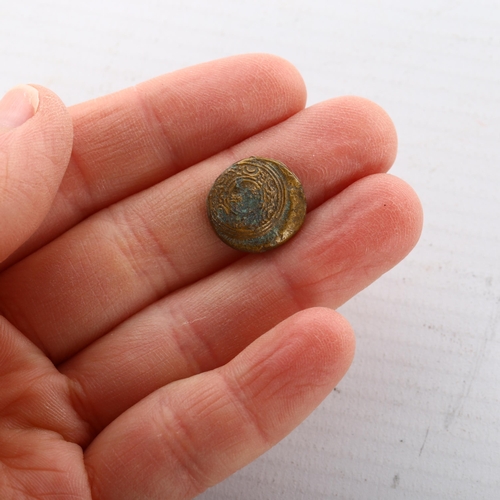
(131, 140)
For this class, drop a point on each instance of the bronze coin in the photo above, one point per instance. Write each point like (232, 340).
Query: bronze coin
(256, 204)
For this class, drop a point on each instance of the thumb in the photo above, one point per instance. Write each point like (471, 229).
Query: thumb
(36, 137)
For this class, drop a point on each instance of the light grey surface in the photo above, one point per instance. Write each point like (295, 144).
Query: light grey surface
(418, 415)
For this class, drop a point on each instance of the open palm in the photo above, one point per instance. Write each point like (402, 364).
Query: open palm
(140, 357)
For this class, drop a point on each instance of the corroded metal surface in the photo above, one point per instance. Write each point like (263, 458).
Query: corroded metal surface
(256, 204)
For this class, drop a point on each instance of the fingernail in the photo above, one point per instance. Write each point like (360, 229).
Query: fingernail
(18, 105)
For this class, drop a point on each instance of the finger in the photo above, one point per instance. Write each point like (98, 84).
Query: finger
(346, 244)
(35, 144)
(133, 139)
(194, 433)
(34, 394)
(38, 425)
(160, 240)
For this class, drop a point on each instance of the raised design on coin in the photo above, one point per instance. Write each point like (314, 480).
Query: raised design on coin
(256, 204)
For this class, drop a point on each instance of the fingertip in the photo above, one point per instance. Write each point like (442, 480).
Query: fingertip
(286, 74)
(327, 340)
(53, 118)
(339, 142)
(35, 154)
(376, 136)
(285, 84)
(49, 132)
(412, 210)
(17, 106)
(400, 215)
(336, 330)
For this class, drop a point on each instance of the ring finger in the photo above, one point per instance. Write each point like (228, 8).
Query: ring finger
(346, 244)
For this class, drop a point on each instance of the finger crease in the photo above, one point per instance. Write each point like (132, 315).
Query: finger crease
(150, 114)
(246, 409)
(148, 242)
(205, 361)
(184, 456)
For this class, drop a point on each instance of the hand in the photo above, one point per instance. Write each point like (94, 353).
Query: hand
(140, 357)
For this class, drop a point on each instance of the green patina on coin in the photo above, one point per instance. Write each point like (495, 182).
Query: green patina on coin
(256, 204)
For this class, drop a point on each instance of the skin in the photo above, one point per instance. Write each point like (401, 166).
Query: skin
(140, 357)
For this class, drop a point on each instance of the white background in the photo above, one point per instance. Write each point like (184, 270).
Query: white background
(418, 415)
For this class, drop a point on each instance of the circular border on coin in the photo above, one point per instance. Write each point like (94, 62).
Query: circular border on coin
(256, 204)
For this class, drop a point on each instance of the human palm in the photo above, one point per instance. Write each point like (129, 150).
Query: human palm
(140, 357)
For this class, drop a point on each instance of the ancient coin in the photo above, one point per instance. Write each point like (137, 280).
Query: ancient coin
(256, 204)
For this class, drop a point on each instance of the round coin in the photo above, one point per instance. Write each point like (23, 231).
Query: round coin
(256, 204)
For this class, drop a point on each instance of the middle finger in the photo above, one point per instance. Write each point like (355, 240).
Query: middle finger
(122, 259)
